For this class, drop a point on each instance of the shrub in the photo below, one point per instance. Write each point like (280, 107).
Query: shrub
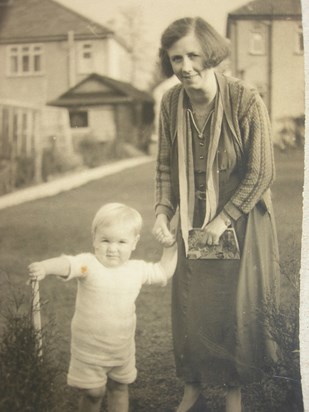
(93, 153)
(7, 176)
(55, 162)
(29, 382)
(291, 133)
(280, 390)
(96, 153)
(24, 171)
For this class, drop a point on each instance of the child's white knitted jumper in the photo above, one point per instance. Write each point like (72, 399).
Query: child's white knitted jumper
(103, 326)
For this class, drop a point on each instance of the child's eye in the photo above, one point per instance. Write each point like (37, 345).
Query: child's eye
(104, 241)
(123, 241)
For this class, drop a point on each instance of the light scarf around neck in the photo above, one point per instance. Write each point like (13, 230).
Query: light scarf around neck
(186, 166)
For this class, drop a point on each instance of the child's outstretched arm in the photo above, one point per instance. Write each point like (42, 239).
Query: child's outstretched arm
(168, 260)
(59, 266)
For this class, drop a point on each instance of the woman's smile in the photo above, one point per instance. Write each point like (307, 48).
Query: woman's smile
(189, 77)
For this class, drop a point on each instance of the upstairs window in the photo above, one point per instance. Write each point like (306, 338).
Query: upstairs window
(86, 58)
(25, 60)
(257, 43)
(299, 40)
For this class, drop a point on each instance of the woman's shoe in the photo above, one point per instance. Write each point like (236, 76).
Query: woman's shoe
(200, 405)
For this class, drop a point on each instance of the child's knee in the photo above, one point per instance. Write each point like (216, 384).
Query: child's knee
(94, 394)
(114, 386)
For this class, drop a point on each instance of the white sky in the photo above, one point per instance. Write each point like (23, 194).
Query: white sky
(157, 14)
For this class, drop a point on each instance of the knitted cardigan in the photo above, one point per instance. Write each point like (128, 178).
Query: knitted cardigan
(248, 120)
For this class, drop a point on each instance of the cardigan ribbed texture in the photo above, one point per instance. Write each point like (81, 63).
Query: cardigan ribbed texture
(246, 113)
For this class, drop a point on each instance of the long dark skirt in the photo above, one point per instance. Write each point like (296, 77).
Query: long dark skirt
(218, 333)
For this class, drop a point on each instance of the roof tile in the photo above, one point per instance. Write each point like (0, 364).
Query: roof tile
(269, 7)
(33, 19)
(98, 89)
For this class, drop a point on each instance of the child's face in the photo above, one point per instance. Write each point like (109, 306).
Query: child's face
(113, 244)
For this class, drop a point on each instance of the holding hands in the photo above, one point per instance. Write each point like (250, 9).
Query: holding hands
(162, 232)
(212, 231)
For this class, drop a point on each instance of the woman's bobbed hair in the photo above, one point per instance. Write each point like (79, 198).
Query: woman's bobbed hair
(214, 46)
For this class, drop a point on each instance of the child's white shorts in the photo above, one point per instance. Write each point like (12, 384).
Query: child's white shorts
(87, 376)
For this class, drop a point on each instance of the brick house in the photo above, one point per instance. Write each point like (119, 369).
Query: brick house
(48, 48)
(268, 52)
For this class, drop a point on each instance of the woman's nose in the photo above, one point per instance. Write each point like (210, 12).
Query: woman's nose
(186, 65)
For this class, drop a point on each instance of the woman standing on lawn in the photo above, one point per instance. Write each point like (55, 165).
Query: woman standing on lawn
(215, 162)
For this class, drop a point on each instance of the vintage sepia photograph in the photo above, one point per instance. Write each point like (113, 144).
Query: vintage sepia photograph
(152, 238)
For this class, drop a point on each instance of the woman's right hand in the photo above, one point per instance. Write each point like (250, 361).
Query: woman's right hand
(161, 231)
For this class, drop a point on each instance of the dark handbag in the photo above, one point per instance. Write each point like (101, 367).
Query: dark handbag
(228, 247)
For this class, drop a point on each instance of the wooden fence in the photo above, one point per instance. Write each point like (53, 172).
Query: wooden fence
(25, 131)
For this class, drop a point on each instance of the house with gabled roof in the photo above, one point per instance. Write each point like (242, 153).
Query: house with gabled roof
(268, 52)
(108, 109)
(46, 48)
(50, 53)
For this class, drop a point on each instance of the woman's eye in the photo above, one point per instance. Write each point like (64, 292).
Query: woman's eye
(176, 59)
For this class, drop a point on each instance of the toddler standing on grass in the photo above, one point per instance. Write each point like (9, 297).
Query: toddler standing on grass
(103, 325)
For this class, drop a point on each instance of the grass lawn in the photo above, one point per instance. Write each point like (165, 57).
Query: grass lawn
(61, 224)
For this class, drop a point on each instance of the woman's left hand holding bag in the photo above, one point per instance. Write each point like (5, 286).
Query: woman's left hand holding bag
(214, 229)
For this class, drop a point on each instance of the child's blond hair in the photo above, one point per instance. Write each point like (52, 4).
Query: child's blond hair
(112, 213)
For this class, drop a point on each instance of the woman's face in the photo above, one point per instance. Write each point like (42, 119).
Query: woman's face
(187, 60)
